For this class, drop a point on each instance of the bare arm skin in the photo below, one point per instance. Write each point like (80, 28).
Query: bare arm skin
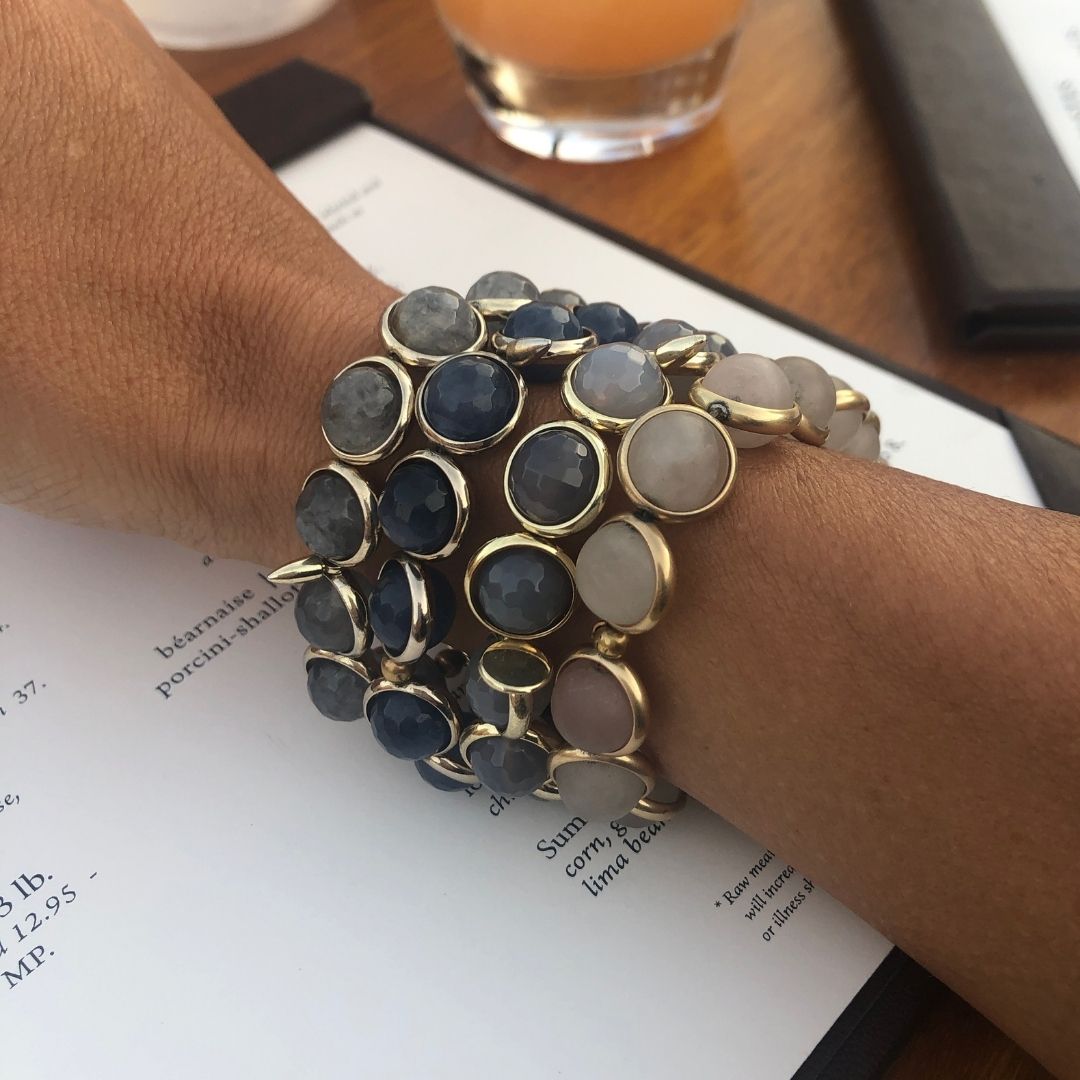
(874, 673)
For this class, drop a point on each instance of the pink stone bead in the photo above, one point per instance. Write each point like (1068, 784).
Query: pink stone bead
(590, 708)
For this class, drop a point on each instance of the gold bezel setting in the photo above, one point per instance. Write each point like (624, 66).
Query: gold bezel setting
(421, 617)
(636, 763)
(405, 410)
(496, 307)
(522, 697)
(443, 702)
(506, 543)
(357, 610)
(737, 414)
(649, 809)
(598, 497)
(358, 665)
(630, 684)
(473, 446)
(448, 767)
(644, 503)
(369, 507)
(663, 566)
(808, 432)
(598, 420)
(456, 479)
(848, 400)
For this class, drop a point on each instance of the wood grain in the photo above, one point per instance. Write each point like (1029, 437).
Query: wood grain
(790, 195)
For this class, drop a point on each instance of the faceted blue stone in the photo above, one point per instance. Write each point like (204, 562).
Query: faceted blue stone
(390, 608)
(437, 780)
(609, 322)
(322, 618)
(329, 517)
(443, 601)
(335, 690)
(661, 331)
(508, 766)
(553, 476)
(470, 397)
(522, 591)
(407, 726)
(540, 320)
(418, 509)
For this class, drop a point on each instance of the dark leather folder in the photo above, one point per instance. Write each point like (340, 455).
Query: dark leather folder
(999, 210)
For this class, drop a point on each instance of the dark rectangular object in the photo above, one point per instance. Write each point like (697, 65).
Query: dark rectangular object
(998, 208)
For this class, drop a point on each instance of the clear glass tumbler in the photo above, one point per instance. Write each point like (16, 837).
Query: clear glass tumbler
(594, 80)
(223, 24)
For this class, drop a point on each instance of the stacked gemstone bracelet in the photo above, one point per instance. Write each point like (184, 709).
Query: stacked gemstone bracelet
(511, 717)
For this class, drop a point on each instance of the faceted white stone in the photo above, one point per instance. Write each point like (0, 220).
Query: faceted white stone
(597, 790)
(814, 390)
(616, 575)
(753, 380)
(678, 460)
(844, 424)
(866, 443)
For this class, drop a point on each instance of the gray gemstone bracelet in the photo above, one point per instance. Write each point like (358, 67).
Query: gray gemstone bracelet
(509, 718)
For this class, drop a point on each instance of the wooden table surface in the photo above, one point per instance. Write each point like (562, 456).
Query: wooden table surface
(789, 195)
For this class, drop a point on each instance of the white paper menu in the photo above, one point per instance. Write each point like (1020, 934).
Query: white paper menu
(200, 876)
(1043, 39)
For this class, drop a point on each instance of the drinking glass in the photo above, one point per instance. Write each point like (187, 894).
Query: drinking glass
(223, 24)
(594, 80)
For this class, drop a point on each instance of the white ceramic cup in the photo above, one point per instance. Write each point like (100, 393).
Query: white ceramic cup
(222, 24)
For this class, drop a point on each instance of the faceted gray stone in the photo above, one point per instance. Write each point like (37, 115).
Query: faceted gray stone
(553, 476)
(717, 343)
(435, 321)
(329, 517)
(508, 766)
(322, 618)
(490, 705)
(336, 690)
(502, 285)
(563, 297)
(361, 408)
(656, 333)
(522, 591)
(619, 380)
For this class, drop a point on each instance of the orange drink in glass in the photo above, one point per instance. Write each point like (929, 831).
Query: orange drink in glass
(594, 80)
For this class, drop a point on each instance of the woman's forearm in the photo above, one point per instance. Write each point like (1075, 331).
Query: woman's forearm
(878, 674)
(872, 672)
